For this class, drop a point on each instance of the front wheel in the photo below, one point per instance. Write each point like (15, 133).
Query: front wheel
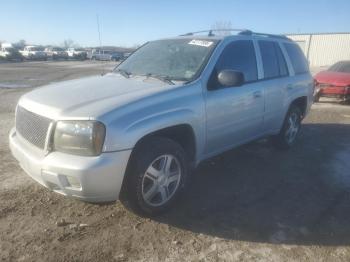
(156, 176)
(290, 129)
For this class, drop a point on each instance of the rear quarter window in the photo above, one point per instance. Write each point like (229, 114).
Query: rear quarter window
(281, 61)
(297, 58)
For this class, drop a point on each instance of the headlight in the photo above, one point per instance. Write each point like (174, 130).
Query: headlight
(83, 138)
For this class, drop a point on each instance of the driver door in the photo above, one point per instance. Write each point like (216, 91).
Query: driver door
(235, 115)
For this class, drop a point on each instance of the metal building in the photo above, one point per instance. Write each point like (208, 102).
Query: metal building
(323, 49)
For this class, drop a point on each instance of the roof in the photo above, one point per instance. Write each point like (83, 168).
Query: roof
(202, 37)
(210, 34)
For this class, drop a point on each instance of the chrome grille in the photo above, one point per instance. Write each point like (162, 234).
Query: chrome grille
(32, 127)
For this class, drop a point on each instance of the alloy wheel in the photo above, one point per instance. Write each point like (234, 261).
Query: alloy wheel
(161, 180)
(293, 128)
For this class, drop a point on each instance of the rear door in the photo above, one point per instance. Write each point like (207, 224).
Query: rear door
(234, 114)
(276, 82)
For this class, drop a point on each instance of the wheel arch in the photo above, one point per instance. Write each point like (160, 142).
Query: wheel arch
(300, 102)
(180, 133)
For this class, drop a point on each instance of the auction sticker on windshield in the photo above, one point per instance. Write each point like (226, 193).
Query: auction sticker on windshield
(201, 43)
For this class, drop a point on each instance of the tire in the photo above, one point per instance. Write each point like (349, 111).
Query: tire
(149, 189)
(289, 132)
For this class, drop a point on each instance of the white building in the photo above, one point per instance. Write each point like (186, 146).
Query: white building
(323, 49)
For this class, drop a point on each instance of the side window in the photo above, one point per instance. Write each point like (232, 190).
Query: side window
(297, 58)
(269, 59)
(238, 55)
(281, 61)
(273, 60)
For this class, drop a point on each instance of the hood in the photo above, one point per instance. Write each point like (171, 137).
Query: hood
(90, 97)
(333, 78)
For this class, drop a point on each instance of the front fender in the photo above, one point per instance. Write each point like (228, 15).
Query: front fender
(180, 106)
(137, 130)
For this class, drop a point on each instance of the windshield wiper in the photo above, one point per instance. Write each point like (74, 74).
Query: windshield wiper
(165, 79)
(124, 73)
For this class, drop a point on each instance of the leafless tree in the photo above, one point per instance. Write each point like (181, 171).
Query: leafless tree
(67, 43)
(221, 25)
(20, 44)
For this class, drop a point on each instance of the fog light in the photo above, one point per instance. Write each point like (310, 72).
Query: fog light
(73, 182)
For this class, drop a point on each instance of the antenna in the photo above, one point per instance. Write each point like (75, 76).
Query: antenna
(99, 39)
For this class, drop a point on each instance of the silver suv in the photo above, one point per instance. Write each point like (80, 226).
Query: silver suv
(136, 133)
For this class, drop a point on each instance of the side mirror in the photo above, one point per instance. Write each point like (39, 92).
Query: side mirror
(229, 78)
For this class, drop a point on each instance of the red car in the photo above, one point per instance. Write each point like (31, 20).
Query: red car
(334, 82)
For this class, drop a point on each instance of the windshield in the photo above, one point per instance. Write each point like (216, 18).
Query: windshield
(343, 67)
(179, 59)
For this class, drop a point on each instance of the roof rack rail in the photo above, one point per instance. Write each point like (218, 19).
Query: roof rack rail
(248, 32)
(210, 31)
(240, 32)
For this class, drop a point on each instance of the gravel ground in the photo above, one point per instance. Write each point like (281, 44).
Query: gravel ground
(253, 203)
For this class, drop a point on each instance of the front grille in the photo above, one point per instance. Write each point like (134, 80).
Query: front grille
(32, 127)
(324, 85)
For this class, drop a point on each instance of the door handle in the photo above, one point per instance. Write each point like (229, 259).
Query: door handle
(289, 87)
(257, 94)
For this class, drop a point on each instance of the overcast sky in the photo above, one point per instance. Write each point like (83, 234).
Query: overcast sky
(130, 22)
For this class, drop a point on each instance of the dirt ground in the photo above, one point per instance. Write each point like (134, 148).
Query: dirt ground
(253, 203)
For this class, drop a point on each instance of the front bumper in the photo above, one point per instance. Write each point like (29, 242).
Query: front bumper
(343, 97)
(92, 179)
(339, 92)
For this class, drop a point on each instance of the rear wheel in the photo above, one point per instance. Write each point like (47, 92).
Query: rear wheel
(156, 176)
(290, 129)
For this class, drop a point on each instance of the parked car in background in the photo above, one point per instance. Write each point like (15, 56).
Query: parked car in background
(136, 133)
(56, 53)
(32, 52)
(126, 55)
(90, 53)
(334, 82)
(116, 56)
(77, 53)
(8, 52)
(106, 55)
